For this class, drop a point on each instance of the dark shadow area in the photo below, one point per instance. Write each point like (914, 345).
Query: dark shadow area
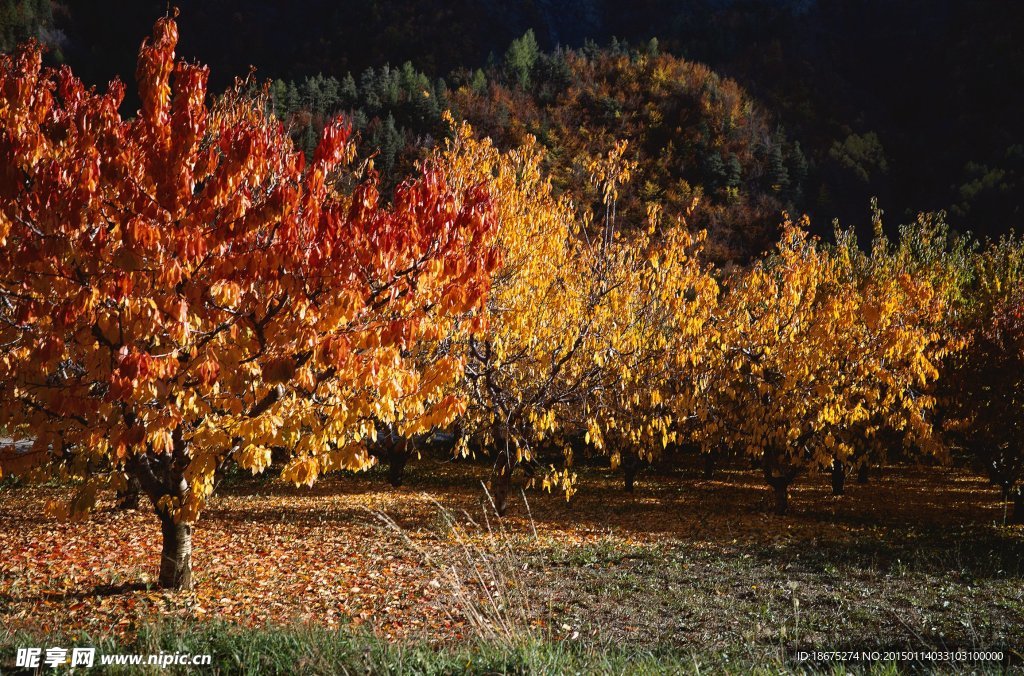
(964, 554)
(123, 588)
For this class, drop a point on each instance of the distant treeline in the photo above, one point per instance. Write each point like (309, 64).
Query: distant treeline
(697, 138)
(918, 102)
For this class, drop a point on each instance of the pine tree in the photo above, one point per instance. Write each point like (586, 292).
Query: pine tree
(520, 58)
(778, 174)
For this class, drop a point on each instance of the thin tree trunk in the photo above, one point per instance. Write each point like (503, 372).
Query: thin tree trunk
(862, 473)
(631, 467)
(838, 476)
(778, 476)
(709, 466)
(501, 484)
(1018, 506)
(130, 496)
(781, 488)
(176, 557)
(501, 475)
(397, 459)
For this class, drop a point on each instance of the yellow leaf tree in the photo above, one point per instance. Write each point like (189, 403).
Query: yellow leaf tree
(808, 364)
(655, 340)
(912, 293)
(983, 393)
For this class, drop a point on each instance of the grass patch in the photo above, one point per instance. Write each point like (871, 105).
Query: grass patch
(315, 650)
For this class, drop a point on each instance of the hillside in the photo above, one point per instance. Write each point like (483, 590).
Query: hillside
(915, 102)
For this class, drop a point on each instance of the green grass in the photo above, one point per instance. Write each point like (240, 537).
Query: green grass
(313, 650)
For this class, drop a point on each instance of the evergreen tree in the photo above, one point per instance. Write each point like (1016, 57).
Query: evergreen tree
(734, 172)
(348, 91)
(520, 58)
(715, 168)
(798, 168)
(479, 82)
(778, 174)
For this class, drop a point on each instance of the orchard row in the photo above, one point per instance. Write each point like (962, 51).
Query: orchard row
(182, 291)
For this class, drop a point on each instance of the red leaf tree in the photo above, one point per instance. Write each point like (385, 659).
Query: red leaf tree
(181, 290)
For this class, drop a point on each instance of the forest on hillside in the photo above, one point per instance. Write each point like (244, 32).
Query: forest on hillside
(915, 102)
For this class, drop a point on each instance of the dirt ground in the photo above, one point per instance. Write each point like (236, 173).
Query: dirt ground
(917, 559)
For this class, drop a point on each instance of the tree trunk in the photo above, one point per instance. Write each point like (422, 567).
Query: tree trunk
(504, 465)
(862, 473)
(1018, 506)
(780, 488)
(709, 466)
(779, 474)
(160, 479)
(781, 497)
(176, 557)
(631, 467)
(129, 497)
(398, 458)
(838, 476)
(501, 484)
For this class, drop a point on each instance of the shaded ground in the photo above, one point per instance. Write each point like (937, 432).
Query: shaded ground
(916, 560)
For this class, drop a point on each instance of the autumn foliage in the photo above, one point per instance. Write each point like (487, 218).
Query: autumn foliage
(984, 391)
(692, 135)
(817, 359)
(183, 290)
